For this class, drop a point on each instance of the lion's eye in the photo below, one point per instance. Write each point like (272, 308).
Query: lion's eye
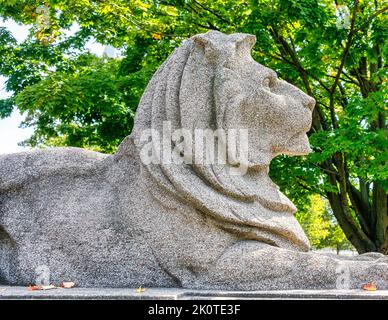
(267, 82)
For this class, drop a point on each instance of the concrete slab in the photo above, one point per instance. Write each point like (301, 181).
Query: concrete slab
(185, 294)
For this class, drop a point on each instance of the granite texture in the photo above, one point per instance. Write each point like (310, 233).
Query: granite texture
(68, 214)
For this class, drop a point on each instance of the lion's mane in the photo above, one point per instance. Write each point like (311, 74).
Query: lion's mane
(173, 95)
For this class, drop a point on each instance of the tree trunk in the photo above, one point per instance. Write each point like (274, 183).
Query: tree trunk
(380, 212)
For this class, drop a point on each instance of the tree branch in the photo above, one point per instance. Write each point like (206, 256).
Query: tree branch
(212, 12)
(370, 18)
(347, 47)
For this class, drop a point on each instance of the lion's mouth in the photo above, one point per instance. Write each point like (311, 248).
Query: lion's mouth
(298, 145)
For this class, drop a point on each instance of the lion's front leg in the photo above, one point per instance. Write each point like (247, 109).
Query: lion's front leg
(251, 265)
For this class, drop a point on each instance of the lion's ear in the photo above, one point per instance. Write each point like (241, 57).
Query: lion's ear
(207, 45)
(246, 40)
(202, 41)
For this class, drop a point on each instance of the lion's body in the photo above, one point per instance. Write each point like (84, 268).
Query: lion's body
(61, 208)
(81, 215)
(115, 221)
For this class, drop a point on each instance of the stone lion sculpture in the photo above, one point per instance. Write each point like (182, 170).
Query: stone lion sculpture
(114, 221)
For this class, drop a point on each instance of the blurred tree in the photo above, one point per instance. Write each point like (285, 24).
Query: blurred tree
(320, 225)
(336, 52)
(336, 239)
(314, 222)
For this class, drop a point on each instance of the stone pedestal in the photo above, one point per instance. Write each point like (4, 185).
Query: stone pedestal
(184, 294)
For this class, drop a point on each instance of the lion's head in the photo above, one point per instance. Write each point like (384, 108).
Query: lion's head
(250, 95)
(212, 82)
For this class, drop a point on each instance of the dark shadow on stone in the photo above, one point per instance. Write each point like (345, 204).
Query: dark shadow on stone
(8, 254)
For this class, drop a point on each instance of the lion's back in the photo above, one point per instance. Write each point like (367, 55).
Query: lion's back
(46, 182)
(21, 168)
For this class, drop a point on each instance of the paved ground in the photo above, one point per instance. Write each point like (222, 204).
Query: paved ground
(182, 294)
